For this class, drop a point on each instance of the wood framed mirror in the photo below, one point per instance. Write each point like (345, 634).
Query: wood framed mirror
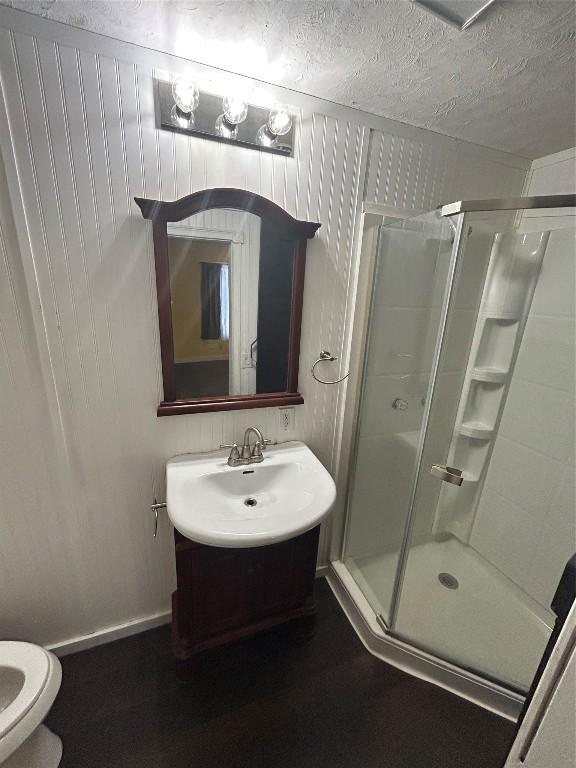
(230, 282)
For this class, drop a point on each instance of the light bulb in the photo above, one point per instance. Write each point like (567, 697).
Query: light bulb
(265, 138)
(279, 121)
(181, 119)
(185, 94)
(235, 109)
(225, 129)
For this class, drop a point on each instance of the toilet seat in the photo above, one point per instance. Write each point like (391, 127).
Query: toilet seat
(41, 680)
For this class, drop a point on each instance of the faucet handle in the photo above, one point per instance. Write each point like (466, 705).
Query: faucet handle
(234, 452)
(264, 443)
(234, 457)
(256, 455)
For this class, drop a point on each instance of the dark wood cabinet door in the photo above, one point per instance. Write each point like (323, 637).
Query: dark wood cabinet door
(224, 594)
(281, 575)
(216, 596)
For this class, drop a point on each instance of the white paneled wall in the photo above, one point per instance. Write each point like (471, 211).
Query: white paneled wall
(35, 531)
(79, 340)
(419, 174)
(526, 520)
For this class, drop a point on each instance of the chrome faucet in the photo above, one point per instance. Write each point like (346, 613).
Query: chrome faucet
(247, 453)
(254, 454)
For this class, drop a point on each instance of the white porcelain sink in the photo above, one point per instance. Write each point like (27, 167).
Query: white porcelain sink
(250, 505)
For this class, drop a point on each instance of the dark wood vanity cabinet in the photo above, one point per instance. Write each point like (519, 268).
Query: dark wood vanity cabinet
(226, 594)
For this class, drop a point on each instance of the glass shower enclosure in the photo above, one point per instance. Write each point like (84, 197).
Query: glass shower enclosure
(460, 514)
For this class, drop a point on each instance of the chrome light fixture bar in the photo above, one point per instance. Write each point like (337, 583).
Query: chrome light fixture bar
(459, 13)
(184, 109)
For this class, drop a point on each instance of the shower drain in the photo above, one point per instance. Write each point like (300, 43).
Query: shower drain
(250, 501)
(448, 581)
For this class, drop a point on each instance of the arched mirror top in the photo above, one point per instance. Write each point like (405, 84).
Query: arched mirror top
(226, 197)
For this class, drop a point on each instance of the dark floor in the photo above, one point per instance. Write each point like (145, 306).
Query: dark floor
(266, 703)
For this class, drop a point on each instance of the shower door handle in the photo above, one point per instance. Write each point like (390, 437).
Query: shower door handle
(448, 474)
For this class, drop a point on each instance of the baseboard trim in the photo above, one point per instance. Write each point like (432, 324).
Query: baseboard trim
(418, 663)
(109, 634)
(133, 627)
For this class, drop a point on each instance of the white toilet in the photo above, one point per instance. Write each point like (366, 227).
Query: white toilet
(29, 681)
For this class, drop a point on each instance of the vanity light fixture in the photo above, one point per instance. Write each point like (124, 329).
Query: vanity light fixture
(185, 109)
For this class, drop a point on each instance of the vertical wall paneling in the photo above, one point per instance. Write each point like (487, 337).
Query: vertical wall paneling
(412, 173)
(78, 323)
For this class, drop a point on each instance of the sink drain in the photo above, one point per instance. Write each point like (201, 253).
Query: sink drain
(448, 581)
(250, 501)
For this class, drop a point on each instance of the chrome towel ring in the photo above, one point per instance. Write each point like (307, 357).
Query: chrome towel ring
(326, 357)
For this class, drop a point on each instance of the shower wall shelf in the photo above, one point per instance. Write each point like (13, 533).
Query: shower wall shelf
(476, 430)
(495, 341)
(490, 375)
(512, 272)
(502, 317)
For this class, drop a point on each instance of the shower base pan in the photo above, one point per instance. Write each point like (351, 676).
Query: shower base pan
(486, 622)
(457, 621)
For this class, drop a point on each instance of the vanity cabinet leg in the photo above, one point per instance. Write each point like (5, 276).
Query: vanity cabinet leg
(306, 628)
(186, 669)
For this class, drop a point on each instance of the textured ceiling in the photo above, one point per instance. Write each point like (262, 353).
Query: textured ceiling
(507, 82)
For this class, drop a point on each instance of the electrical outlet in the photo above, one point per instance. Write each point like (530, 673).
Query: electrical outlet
(246, 360)
(286, 419)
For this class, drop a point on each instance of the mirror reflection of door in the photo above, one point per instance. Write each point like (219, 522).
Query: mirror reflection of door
(214, 262)
(200, 289)
(231, 291)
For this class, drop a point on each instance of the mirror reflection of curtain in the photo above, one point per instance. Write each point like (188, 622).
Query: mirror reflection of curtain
(210, 293)
(225, 302)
